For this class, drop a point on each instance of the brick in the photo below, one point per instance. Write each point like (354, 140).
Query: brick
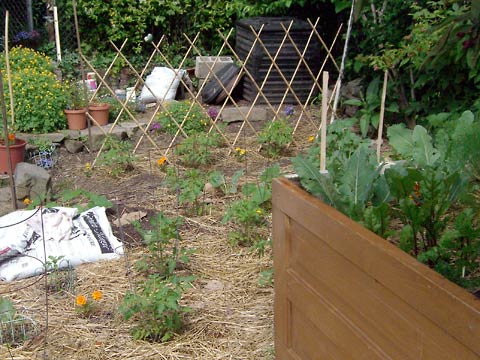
(204, 63)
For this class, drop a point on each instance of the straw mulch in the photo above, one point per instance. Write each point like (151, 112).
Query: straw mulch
(232, 315)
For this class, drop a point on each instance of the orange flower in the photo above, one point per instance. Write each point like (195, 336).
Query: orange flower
(27, 201)
(81, 300)
(311, 138)
(162, 161)
(11, 137)
(97, 295)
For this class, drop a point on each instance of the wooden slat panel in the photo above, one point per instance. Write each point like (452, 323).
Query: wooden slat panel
(376, 313)
(437, 301)
(308, 341)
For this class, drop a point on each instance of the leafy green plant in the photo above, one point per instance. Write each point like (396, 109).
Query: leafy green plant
(218, 181)
(39, 97)
(250, 212)
(190, 116)
(275, 137)
(190, 187)
(154, 307)
(118, 157)
(80, 198)
(76, 95)
(59, 279)
(161, 237)
(369, 107)
(195, 150)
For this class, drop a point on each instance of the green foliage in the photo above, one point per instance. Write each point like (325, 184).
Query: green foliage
(39, 96)
(249, 212)
(438, 36)
(190, 187)
(58, 279)
(195, 150)
(7, 309)
(218, 181)
(117, 157)
(369, 107)
(190, 116)
(161, 237)
(154, 307)
(76, 96)
(79, 198)
(275, 137)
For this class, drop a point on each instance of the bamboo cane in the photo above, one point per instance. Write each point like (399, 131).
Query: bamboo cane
(382, 113)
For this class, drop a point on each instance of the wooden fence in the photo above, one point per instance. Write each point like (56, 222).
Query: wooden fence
(342, 292)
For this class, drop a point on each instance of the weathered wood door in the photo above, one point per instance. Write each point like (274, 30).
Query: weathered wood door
(341, 292)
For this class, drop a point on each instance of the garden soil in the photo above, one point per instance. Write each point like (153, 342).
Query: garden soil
(231, 313)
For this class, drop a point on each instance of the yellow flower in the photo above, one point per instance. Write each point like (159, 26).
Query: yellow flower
(242, 152)
(259, 211)
(97, 295)
(81, 300)
(27, 201)
(88, 167)
(162, 161)
(237, 149)
(311, 138)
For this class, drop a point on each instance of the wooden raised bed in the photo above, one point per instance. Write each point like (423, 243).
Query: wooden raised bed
(342, 292)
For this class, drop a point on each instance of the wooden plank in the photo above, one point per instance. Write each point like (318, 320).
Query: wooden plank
(375, 312)
(442, 302)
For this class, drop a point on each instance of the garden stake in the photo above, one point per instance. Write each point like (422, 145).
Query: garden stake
(7, 146)
(82, 71)
(57, 34)
(342, 64)
(7, 62)
(382, 113)
(323, 136)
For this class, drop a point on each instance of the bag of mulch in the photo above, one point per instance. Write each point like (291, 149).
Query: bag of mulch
(89, 239)
(161, 84)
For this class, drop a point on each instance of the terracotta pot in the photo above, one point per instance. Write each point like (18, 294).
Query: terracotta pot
(77, 119)
(100, 113)
(17, 155)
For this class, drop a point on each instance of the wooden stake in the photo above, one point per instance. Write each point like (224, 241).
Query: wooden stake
(382, 112)
(57, 34)
(9, 77)
(323, 134)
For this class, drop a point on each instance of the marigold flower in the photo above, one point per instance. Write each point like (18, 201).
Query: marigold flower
(162, 161)
(311, 138)
(88, 166)
(237, 149)
(11, 137)
(97, 295)
(81, 300)
(27, 201)
(242, 151)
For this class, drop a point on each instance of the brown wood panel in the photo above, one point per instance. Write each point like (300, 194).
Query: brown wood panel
(424, 315)
(375, 312)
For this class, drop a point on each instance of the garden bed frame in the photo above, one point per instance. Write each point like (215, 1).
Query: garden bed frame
(342, 292)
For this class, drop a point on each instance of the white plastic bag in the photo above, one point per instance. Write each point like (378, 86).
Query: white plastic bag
(90, 239)
(163, 83)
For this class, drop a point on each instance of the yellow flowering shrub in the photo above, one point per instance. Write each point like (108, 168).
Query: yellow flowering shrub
(39, 98)
(193, 116)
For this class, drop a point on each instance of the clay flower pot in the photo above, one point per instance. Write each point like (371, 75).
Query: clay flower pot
(76, 118)
(17, 155)
(100, 113)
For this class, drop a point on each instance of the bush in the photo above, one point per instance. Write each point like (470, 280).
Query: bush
(39, 98)
(194, 118)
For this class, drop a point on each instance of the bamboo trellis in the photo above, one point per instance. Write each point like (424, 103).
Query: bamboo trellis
(302, 106)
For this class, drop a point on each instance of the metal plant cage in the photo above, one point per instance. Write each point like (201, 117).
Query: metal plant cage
(16, 330)
(45, 157)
